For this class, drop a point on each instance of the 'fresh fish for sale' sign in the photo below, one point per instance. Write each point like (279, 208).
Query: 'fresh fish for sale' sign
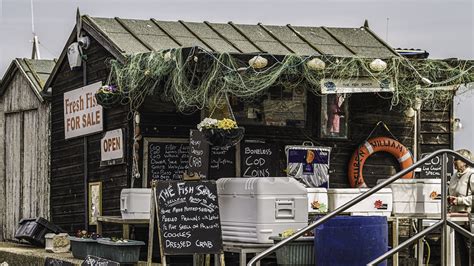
(82, 114)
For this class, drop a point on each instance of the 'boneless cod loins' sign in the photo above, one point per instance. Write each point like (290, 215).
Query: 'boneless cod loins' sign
(82, 113)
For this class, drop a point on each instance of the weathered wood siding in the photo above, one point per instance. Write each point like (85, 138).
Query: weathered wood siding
(24, 156)
(435, 129)
(365, 110)
(68, 158)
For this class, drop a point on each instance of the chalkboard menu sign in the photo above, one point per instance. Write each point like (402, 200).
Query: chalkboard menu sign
(198, 154)
(96, 261)
(56, 262)
(433, 168)
(258, 159)
(189, 217)
(222, 162)
(166, 159)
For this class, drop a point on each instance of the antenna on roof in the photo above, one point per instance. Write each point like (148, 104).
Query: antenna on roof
(386, 31)
(35, 53)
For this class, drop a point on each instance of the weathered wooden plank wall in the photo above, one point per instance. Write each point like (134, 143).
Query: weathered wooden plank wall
(365, 110)
(67, 156)
(24, 156)
(435, 129)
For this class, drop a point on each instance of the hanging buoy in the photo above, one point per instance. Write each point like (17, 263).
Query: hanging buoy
(371, 146)
(378, 65)
(258, 62)
(316, 64)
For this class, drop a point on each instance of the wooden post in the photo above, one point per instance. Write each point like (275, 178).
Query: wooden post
(162, 252)
(222, 260)
(151, 227)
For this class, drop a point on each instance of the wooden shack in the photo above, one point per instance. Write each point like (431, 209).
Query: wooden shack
(76, 161)
(24, 145)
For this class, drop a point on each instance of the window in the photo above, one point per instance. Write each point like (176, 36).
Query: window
(334, 112)
(278, 107)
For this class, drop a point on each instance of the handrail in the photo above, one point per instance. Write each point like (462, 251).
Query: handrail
(405, 243)
(443, 152)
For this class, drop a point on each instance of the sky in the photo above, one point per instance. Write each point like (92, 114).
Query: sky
(445, 28)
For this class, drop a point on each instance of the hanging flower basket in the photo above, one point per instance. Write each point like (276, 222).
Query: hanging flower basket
(224, 137)
(223, 132)
(108, 96)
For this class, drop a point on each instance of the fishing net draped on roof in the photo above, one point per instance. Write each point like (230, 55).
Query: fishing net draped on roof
(170, 54)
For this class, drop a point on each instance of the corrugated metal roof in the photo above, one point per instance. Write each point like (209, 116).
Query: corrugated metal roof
(36, 71)
(136, 36)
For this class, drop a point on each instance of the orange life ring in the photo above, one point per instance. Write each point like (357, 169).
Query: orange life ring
(374, 145)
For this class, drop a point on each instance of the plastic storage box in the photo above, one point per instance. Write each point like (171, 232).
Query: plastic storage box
(317, 200)
(416, 197)
(135, 203)
(123, 252)
(299, 252)
(253, 209)
(380, 203)
(34, 230)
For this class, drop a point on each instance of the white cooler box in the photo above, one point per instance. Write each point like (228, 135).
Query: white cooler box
(253, 209)
(135, 203)
(416, 196)
(379, 203)
(317, 200)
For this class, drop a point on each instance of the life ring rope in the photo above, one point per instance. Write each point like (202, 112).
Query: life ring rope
(371, 146)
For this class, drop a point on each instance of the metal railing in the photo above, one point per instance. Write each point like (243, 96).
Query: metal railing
(443, 221)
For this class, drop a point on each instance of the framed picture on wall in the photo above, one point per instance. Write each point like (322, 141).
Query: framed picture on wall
(95, 202)
(334, 116)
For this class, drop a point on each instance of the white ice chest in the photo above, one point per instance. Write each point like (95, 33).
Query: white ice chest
(135, 203)
(253, 209)
(379, 203)
(412, 197)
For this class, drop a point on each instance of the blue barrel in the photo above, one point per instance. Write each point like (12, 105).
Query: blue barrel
(351, 240)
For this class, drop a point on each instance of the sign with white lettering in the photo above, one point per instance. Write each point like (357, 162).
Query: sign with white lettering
(188, 215)
(111, 147)
(359, 85)
(82, 114)
(434, 169)
(259, 159)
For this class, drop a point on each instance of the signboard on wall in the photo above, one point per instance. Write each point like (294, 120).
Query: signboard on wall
(434, 167)
(358, 85)
(111, 147)
(82, 114)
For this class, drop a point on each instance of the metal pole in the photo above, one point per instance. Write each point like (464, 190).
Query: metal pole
(366, 194)
(405, 244)
(444, 210)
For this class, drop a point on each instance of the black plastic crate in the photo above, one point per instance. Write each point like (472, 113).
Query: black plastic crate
(33, 230)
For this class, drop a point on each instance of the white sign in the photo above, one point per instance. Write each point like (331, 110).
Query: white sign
(82, 114)
(359, 85)
(111, 146)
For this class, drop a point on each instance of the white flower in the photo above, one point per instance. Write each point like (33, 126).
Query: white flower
(207, 123)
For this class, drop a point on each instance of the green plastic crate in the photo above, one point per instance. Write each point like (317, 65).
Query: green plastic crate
(298, 252)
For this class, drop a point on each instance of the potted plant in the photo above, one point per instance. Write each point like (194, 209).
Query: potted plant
(108, 96)
(224, 132)
(85, 243)
(120, 250)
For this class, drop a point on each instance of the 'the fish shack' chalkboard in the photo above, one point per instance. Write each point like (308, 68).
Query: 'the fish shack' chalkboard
(258, 159)
(433, 167)
(189, 217)
(166, 159)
